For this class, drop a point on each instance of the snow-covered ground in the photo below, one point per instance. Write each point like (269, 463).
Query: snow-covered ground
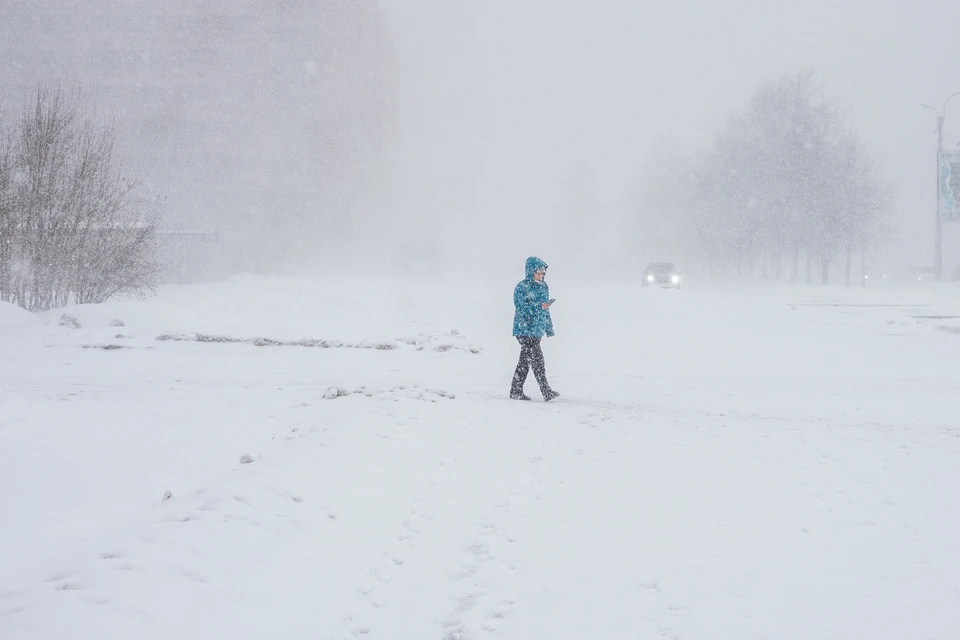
(335, 458)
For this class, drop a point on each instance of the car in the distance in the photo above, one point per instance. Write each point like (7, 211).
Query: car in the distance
(663, 274)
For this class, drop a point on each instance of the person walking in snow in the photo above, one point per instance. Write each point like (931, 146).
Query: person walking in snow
(531, 320)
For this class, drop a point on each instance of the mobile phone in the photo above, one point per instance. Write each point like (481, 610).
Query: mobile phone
(551, 300)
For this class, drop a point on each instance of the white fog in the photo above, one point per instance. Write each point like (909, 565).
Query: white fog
(259, 262)
(466, 124)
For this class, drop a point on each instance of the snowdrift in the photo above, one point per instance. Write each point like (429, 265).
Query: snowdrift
(337, 458)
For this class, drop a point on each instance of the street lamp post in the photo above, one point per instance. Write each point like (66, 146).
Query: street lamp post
(938, 225)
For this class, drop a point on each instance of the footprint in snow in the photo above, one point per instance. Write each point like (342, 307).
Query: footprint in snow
(59, 577)
(130, 567)
(502, 610)
(464, 571)
(194, 575)
(408, 525)
(452, 629)
(479, 551)
(650, 587)
(15, 610)
(466, 603)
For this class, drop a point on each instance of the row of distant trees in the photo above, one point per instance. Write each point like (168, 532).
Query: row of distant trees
(786, 189)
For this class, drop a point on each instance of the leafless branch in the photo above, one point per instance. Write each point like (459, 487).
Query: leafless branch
(72, 229)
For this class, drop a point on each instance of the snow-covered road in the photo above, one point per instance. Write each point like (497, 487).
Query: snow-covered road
(723, 464)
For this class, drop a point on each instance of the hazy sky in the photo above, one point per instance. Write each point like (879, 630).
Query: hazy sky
(516, 116)
(505, 99)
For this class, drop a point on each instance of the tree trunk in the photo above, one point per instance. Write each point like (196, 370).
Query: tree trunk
(863, 268)
(849, 267)
(5, 284)
(809, 268)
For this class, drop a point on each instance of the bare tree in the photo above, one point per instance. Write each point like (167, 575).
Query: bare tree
(785, 178)
(7, 219)
(72, 229)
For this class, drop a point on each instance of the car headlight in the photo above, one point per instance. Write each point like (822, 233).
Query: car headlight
(649, 278)
(675, 279)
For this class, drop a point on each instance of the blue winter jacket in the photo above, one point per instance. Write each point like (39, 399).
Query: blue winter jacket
(530, 319)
